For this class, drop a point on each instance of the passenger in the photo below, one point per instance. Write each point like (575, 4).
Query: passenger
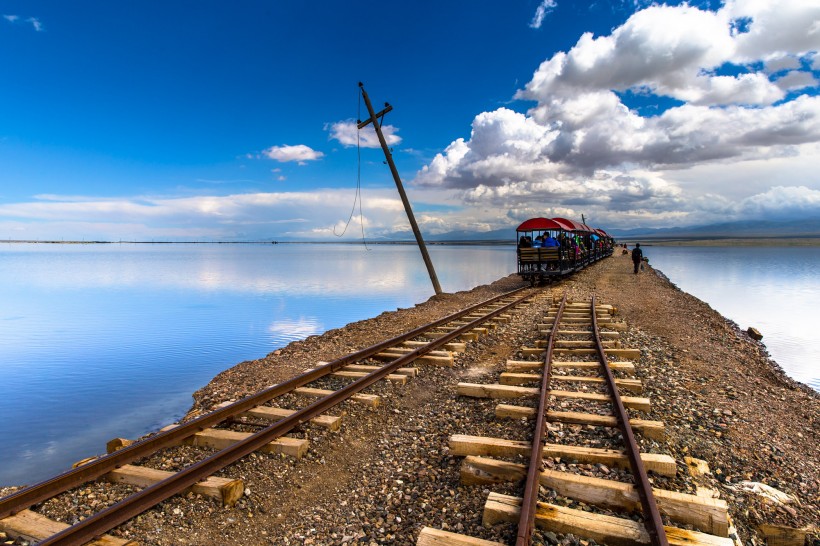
(551, 241)
(637, 256)
(537, 243)
(524, 242)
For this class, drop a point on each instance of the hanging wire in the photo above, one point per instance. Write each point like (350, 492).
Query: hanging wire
(358, 194)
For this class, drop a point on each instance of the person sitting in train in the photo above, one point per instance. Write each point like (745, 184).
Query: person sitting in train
(538, 242)
(524, 242)
(550, 241)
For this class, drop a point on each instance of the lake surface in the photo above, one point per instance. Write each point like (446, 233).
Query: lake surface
(104, 341)
(773, 289)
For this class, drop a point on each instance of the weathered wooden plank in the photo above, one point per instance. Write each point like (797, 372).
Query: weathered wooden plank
(780, 535)
(650, 429)
(515, 378)
(654, 462)
(604, 334)
(568, 344)
(436, 537)
(220, 439)
(407, 350)
(409, 372)
(371, 400)
(452, 346)
(623, 353)
(707, 514)
(333, 422)
(396, 379)
(469, 336)
(494, 390)
(462, 445)
(35, 527)
(426, 359)
(226, 489)
(529, 365)
(478, 331)
(601, 528)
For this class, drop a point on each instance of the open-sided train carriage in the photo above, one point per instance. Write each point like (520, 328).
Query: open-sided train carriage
(555, 247)
(538, 263)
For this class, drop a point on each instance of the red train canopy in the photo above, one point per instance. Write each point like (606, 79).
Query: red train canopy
(571, 225)
(540, 224)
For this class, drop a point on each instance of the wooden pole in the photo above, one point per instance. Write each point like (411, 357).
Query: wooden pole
(376, 125)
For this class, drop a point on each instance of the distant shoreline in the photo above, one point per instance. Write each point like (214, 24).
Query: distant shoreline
(647, 241)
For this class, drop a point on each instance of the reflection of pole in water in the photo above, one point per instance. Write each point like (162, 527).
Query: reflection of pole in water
(376, 125)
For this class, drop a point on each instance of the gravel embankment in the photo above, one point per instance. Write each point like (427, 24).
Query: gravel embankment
(388, 472)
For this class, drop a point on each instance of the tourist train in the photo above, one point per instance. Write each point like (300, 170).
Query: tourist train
(550, 248)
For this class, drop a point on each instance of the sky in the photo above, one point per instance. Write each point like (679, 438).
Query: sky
(204, 120)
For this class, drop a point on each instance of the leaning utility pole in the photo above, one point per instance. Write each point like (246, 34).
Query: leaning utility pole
(376, 125)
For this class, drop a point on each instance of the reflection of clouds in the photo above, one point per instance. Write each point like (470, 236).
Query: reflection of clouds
(285, 269)
(289, 329)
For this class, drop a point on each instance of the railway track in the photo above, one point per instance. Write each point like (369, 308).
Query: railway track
(582, 469)
(263, 412)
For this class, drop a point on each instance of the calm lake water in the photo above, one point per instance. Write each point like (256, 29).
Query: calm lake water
(774, 289)
(101, 341)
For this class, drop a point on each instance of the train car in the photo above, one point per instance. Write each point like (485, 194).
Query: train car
(550, 248)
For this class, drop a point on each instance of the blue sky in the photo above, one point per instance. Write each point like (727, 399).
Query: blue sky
(210, 121)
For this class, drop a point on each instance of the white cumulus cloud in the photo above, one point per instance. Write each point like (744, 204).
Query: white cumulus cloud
(299, 152)
(348, 134)
(738, 79)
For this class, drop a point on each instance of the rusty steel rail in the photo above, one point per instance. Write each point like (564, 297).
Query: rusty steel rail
(526, 520)
(652, 516)
(137, 503)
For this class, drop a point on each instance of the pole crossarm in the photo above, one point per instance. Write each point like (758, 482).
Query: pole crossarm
(363, 124)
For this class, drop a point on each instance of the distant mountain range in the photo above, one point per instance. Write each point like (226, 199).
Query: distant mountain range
(742, 229)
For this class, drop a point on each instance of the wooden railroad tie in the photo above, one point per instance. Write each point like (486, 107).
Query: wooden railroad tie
(611, 325)
(453, 346)
(496, 390)
(220, 439)
(395, 378)
(603, 529)
(332, 422)
(409, 372)
(515, 378)
(472, 335)
(529, 365)
(227, 490)
(34, 527)
(462, 445)
(370, 400)
(584, 344)
(436, 537)
(604, 335)
(707, 514)
(625, 353)
(436, 358)
(649, 429)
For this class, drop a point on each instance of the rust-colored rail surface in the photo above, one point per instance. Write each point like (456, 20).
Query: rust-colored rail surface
(526, 521)
(652, 516)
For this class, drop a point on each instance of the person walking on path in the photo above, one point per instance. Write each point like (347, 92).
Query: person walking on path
(637, 256)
